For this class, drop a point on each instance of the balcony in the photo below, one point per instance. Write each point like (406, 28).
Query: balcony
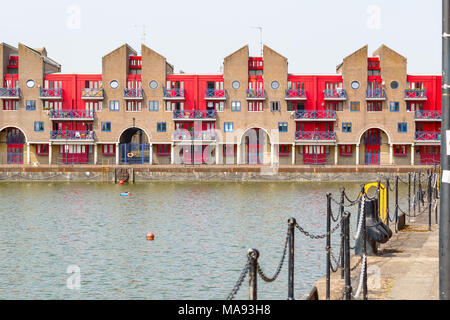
(375, 95)
(315, 115)
(253, 94)
(50, 94)
(209, 115)
(213, 94)
(72, 135)
(133, 94)
(328, 136)
(9, 93)
(91, 94)
(427, 136)
(184, 135)
(173, 94)
(415, 94)
(295, 94)
(335, 95)
(428, 116)
(71, 115)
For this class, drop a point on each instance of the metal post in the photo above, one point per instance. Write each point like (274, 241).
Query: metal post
(291, 222)
(364, 229)
(420, 191)
(253, 254)
(435, 197)
(341, 210)
(415, 195)
(430, 200)
(396, 204)
(409, 196)
(328, 248)
(348, 283)
(380, 208)
(388, 211)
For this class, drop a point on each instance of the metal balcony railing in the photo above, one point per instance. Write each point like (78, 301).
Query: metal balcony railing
(173, 93)
(184, 135)
(71, 135)
(87, 93)
(315, 135)
(295, 94)
(9, 92)
(413, 94)
(215, 94)
(256, 94)
(376, 94)
(71, 114)
(428, 115)
(50, 93)
(315, 115)
(132, 93)
(428, 135)
(194, 114)
(335, 94)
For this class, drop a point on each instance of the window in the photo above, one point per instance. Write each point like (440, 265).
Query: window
(163, 149)
(355, 85)
(375, 106)
(11, 105)
(161, 127)
(334, 106)
(283, 150)
(394, 85)
(402, 127)
(153, 106)
(53, 105)
(314, 150)
(30, 105)
(395, 106)
(283, 126)
(228, 150)
(171, 106)
(38, 126)
(134, 106)
(255, 106)
(228, 127)
(114, 105)
(400, 150)
(235, 106)
(42, 149)
(94, 106)
(108, 149)
(346, 150)
(355, 106)
(347, 127)
(275, 106)
(106, 126)
(414, 106)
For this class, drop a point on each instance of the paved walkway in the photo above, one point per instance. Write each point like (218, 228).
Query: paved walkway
(407, 267)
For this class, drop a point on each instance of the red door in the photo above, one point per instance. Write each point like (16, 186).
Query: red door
(15, 154)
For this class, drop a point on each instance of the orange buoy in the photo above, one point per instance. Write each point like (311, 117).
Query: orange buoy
(121, 182)
(150, 236)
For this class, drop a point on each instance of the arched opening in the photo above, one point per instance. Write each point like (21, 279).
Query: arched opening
(256, 147)
(134, 147)
(12, 141)
(375, 144)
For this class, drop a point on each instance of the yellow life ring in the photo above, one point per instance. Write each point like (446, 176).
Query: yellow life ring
(130, 154)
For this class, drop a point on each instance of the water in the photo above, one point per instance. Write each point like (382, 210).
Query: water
(203, 231)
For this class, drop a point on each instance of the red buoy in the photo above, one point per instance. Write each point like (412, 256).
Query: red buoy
(150, 236)
(121, 182)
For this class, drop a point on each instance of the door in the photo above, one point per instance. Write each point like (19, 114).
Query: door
(372, 155)
(15, 154)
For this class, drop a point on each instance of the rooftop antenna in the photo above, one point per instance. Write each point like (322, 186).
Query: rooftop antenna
(260, 38)
(144, 32)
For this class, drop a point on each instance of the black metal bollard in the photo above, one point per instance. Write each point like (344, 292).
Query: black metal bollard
(341, 208)
(420, 194)
(348, 283)
(409, 196)
(364, 230)
(429, 202)
(415, 195)
(253, 254)
(291, 223)
(328, 247)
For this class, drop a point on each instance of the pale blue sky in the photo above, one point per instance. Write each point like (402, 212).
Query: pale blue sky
(196, 35)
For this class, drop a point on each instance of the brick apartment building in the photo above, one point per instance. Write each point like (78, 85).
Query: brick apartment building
(371, 112)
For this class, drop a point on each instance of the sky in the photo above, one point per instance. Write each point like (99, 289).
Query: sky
(196, 35)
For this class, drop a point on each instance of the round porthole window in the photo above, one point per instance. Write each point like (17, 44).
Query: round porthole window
(236, 85)
(30, 83)
(153, 84)
(275, 85)
(355, 85)
(394, 85)
(114, 84)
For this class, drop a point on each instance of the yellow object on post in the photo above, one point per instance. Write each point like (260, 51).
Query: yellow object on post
(383, 199)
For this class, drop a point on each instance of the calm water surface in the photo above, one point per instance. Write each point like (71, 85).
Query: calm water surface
(203, 231)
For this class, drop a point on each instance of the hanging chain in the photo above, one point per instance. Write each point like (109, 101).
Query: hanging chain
(280, 265)
(241, 279)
